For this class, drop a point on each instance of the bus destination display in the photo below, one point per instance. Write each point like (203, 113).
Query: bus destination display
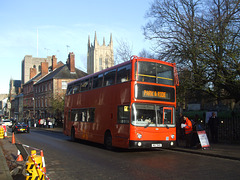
(155, 94)
(148, 92)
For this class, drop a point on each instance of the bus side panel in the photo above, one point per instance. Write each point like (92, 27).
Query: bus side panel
(121, 137)
(106, 104)
(97, 99)
(120, 132)
(67, 121)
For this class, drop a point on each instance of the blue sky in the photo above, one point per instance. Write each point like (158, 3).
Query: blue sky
(65, 22)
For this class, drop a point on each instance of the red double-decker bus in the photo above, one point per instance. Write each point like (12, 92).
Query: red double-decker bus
(130, 105)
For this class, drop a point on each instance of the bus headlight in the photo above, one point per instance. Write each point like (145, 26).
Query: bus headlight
(139, 136)
(172, 136)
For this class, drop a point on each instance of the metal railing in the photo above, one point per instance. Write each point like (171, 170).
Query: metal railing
(229, 130)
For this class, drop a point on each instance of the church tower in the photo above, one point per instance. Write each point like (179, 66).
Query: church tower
(99, 57)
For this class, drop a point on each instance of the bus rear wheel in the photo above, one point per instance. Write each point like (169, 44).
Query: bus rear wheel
(108, 140)
(73, 135)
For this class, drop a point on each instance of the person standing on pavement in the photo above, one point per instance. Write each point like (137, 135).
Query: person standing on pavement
(213, 124)
(187, 125)
(53, 121)
(180, 135)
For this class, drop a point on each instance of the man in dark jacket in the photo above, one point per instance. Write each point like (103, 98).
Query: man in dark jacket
(213, 124)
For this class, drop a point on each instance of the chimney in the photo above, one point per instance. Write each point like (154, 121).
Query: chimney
(71, 62)
(44, 69)
(19, 90)
(33, 72)
(54, 62)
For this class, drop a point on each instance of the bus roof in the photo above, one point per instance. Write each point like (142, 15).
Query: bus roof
(116, 66)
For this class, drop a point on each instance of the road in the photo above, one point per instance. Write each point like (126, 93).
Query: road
(68, 160)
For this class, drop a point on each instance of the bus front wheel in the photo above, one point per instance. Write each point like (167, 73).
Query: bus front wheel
(108, 140)
(73, 135)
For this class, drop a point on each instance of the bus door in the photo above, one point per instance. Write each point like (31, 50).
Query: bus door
(121, 131)
(167, 115)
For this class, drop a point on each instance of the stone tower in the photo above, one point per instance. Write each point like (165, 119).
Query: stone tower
(32, 62)
(99, 57)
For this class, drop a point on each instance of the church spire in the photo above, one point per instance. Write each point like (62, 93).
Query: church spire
(88, 40)
(95, 39)
(111, 41)
(103, 41)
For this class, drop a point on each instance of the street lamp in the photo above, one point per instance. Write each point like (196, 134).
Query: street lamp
(67, 47)
(34, 112)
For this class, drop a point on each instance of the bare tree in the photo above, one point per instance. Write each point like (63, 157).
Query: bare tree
(221, 47)
(174, 25)
(123, 51)
(203, 37)
(146, 54)
(57, 105)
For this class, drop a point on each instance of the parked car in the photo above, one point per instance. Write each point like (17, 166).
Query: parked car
(20, 127)
(7, 122)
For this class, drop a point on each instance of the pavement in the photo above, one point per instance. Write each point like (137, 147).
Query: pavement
(220, 150)
(4, 169)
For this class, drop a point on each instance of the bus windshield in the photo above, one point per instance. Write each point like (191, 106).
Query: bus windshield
(150, 115)
(155, 73)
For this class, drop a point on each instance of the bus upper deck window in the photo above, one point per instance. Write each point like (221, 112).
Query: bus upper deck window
(97, 81)
(84, 85)
(109, 77)
(154, 73)
(124, 73)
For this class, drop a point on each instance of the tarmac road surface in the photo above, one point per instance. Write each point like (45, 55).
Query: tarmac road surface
(83, 160)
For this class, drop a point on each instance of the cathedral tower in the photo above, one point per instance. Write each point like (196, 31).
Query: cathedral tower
(99, 57)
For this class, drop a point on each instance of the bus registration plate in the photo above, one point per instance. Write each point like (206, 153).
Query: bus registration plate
(156, 145)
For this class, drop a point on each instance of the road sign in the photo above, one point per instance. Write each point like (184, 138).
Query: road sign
(203, 139)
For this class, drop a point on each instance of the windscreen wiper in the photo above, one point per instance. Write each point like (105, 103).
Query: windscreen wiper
(147, 124)
(166, 126)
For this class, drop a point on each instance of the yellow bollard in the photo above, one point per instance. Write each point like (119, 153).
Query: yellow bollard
(1, 133)
(32, 167)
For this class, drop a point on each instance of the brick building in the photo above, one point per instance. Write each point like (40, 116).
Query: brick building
(28, 92)
(14, 91)
(17, 106)
(46, 90)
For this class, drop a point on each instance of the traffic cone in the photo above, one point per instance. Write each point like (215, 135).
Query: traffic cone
(13, 138)
(19, 158)
(43, 162)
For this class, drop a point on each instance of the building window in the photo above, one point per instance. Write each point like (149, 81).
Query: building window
(64, 84)
(106, 62)
(46, 104)
(100, 64)
(50, 86)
